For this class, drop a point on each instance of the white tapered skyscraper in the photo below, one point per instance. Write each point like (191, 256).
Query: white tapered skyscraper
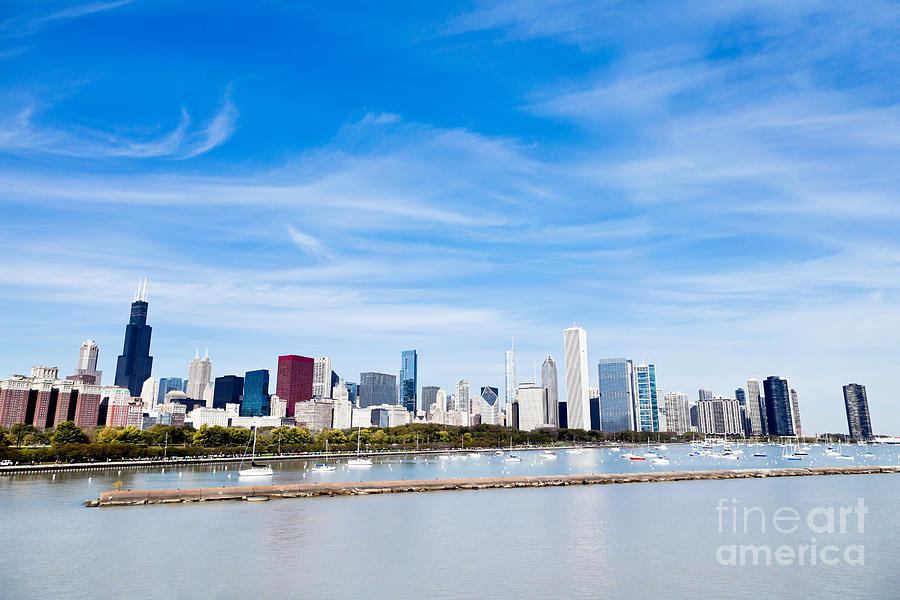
(87, 361)
(511, 383)
(199, 374)
(578, 403)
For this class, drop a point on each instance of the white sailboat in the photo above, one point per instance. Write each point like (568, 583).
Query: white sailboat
(512, 457)
(359, 461)
(324, 467)
(255, 470)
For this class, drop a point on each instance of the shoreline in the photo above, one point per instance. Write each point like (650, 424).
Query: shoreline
(363, 488)
(218, 460)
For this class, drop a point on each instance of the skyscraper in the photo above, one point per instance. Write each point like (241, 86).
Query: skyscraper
(795, 413)
(168, 384)
(549, 383)
(229, 390)
(779, 407)
(678, 416)
(352, 392)
(646, 410)
(740, 395)
(616, 385)
(719, 416)
(322, 380)
(511, 382)
(295, 380)
(409, 380)
(578, 405)
(376, 389)
(531, 403)
(756, 409)
(135, 363)
(256, 394)
(87, 361)
(857, 405)
(429, 396)
(199, 375)
(461, 401)
(490, 394)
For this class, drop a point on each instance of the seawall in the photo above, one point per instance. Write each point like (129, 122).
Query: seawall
(360, 488)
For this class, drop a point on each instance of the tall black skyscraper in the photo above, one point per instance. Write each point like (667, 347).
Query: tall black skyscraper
(134, 364)
(857, 406)
(779, 407)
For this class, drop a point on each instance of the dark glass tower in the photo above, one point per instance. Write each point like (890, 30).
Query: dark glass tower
(229, 389)
(779, 409)
(256, 394)
(134, 364)
(857, 405)
(408, 379)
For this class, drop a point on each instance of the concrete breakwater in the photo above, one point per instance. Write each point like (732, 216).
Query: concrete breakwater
(360, 488)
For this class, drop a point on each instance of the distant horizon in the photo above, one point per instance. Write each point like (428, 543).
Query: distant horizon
(711, 188)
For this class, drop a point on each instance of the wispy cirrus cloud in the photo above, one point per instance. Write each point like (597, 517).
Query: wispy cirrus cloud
(24, 133)
(307, 243)
(25, 26)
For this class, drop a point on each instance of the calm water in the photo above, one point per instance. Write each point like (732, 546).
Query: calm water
(638, 540)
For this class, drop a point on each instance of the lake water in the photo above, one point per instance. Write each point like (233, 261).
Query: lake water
(638, 540)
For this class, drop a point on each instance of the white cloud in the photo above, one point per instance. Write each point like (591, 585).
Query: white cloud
(23, 134)
(23, 26)
(307, 243)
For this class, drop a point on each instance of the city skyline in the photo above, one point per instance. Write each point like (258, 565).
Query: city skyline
(684, 197)
(634, 384)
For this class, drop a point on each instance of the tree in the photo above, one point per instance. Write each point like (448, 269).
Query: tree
(68, 433)
(304, 436)
(131, 435)
(108, 435)
(334, 436)
(20, 431)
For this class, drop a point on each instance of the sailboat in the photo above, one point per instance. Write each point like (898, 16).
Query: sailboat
(789, 455)
(840, 453)
(512, 457)
(359, 461)
(255, 470)
(324, 467)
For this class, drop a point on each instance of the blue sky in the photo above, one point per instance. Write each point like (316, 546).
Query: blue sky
(710, 186)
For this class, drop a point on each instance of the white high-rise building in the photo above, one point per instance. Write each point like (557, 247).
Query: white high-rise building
(489, 412)
(678, 415)
(441, 400)
(277, 406)
(199, 375)
(549, 383)
(578, 404)
(342, 416)
(461, 400)
(511, 383)
(322, 377)
(720, 415)
(87, 361)
(532, 402)
(149, 393)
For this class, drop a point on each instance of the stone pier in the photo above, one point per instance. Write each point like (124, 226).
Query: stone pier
(361, 488)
